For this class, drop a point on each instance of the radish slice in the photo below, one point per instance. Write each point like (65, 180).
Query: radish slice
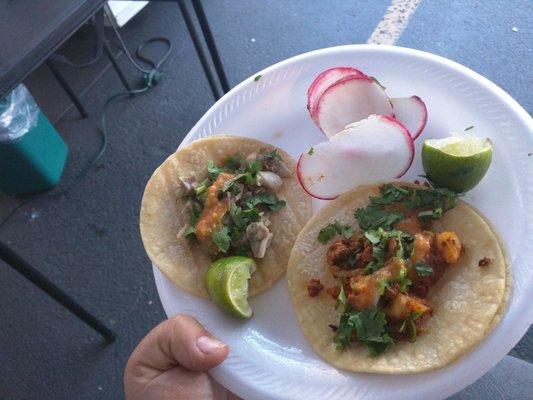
(325, 80)
(412, 113)
(348, 100)
(373, 150)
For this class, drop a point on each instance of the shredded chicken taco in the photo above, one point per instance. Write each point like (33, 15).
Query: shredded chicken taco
(218, 197)
(397, 278)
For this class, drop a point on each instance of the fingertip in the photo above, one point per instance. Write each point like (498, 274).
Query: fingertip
(195, 348)
(210, 345)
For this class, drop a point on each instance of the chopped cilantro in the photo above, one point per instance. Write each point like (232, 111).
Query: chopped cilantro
(369, 328)
(412, 318)
(257, 77)
(333, 229)
(383, 284)
(201, 187)
(341, 298)
(232, 163)
(196, 212)
(372, 217)
(221, 239)
(372, 267)
(213, 170)
(373, 236)
(242, 218)
(254, 166)
(270, 200)
(273, 154)
(346, 231)
(403, 281)
(190, 233)
(422, 269)
(379, 239)
(311, 151)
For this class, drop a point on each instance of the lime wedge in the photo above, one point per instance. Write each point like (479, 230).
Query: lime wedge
(226, 281)
(458, 162)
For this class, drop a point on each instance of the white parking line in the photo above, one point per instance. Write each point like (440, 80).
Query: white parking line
(396, 18)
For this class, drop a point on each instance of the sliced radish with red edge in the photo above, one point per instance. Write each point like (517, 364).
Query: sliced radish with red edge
(412, 113)
(325, 80)
(351, 99)
(373, 150)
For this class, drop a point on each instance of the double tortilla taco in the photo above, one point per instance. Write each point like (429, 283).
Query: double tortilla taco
(218, 197)
(397, 278)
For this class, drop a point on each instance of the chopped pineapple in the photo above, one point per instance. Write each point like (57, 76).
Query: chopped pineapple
(449, 246)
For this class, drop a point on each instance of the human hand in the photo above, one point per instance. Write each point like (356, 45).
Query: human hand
(170, 363)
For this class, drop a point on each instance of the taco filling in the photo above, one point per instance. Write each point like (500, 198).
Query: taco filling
(385, 272)
(229, 210)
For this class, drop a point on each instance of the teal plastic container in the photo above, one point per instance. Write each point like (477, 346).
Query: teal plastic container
(33, 160)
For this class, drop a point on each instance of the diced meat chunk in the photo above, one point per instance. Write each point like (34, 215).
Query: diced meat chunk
(269, 180)
(410, 225)
(314, 287)
(259, 238)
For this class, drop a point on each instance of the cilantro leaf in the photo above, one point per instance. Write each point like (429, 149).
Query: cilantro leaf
(311, 151)
(272, 154)
(221, 239)
(372, 217)
(233, 163)
(373, 236)
(242, 218)
(268, 199)
(213, 170)
(369, 329)
(422, 269)
(341, 298)
(190, 233)
(383, 284)
(431, 214)
(380, 239)
(333, 229)
(254, 166)
(346, 231)
(201, 187)
(196, 212)
(328, 232)
(372, 267)
(403, 281)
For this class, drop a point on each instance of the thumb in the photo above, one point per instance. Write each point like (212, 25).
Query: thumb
(182, 341)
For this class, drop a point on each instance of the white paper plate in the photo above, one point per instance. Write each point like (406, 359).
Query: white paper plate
(270, 357)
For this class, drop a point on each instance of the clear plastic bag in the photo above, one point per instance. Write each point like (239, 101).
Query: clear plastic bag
(18, 113)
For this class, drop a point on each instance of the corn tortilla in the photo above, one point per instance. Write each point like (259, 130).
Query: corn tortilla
(468, 301)
(162, 218)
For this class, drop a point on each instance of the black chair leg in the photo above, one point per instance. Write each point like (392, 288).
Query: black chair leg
(115, 65)
(198, 47)
(66, 87)
(210, 41)
(23, 267)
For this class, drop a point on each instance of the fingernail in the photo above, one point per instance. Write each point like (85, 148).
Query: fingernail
(208, 345)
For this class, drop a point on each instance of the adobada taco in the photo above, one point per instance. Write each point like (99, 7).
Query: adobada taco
(397, 278)
(221, 196)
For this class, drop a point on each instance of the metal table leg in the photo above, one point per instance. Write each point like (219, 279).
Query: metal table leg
(198, 47)
(23, 267)
(210, 41)
(67, 88)
(114, 62)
